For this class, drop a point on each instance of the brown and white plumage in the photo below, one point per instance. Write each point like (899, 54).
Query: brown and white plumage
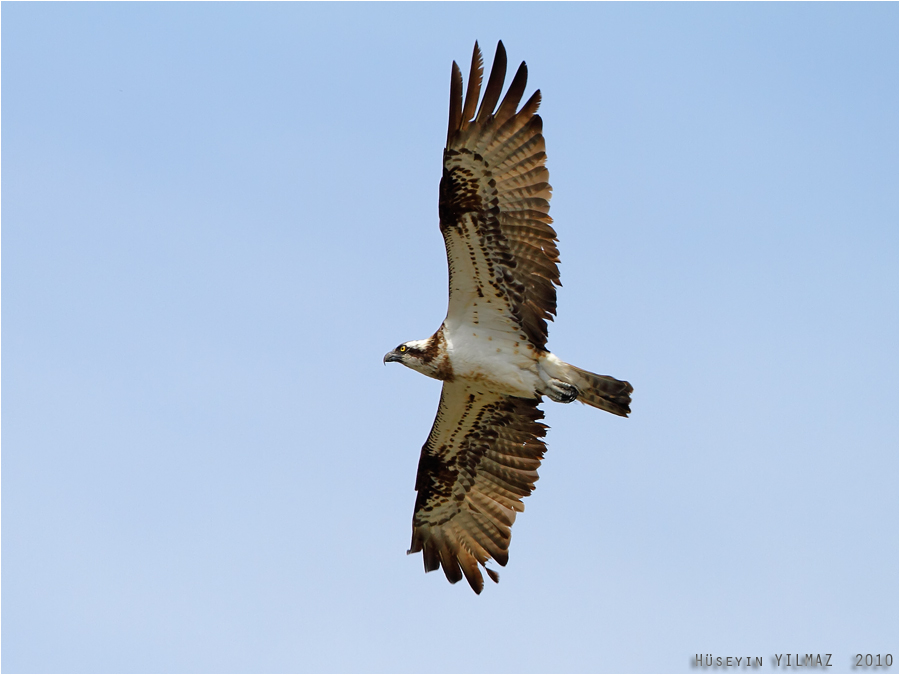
(483, 452)
(495, 190)
(480, 459)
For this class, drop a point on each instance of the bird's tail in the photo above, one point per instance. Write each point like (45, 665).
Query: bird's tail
(601, 391)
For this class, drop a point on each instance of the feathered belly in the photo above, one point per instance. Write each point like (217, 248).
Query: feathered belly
(502, 365)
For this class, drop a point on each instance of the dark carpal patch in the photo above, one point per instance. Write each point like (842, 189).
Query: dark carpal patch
(459, 191)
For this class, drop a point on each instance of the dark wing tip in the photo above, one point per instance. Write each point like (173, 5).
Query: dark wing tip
(494, 86)
(473, 87)
(456, 88)
(513, 95)
(473, 576)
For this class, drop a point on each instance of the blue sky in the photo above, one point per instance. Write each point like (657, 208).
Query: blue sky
(218, 217)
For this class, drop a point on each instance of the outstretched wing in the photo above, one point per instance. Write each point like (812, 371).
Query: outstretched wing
(494, 204)
(480, 459)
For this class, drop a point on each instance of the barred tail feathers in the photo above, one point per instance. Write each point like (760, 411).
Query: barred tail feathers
(602, 391)
(599, 391)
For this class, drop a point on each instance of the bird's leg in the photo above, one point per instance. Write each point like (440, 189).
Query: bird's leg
(554, 388)
(559, 391)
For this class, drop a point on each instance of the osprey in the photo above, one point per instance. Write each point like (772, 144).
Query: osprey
(483, 452)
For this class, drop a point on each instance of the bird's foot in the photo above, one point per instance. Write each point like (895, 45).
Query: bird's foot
(561, 392)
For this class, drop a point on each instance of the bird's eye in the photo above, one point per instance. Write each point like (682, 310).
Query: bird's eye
(402, 348)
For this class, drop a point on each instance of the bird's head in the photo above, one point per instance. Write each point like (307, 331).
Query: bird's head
(413, 355)
(407, 353)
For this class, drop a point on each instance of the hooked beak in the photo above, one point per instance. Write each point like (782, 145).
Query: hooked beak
(391, 356)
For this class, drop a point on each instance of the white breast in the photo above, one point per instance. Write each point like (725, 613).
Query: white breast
(504, 364)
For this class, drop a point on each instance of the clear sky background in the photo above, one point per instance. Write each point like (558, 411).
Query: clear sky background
(218, 218)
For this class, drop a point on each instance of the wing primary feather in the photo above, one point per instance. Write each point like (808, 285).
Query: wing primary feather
(523, 177)
(497, 536)
(470, 569)
(468, 532)
(473, 89)
(449, 561)
(531, 152)
(529, 131)
(513, 95)
(494, 86)
(456, 85)
(489, 541)
(430, 557)
(502, 132)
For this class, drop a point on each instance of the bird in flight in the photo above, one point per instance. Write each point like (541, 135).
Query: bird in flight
(483, 452)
